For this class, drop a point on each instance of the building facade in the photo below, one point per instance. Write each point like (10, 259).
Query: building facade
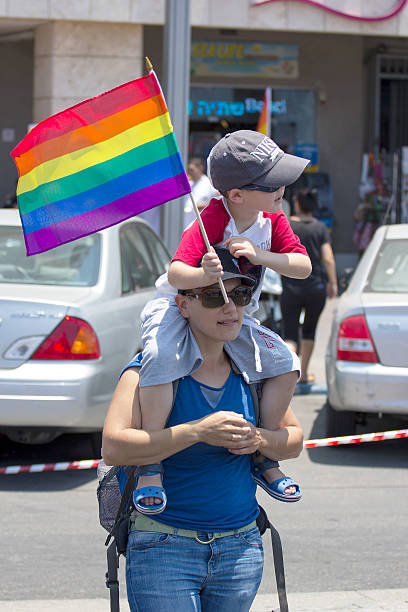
(338, 83)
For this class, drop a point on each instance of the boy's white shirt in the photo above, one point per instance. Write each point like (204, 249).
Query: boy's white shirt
(259, 233)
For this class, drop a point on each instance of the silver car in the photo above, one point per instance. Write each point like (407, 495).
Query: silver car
(69, 322)
(367, 354)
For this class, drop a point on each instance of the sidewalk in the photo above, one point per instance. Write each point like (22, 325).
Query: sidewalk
(395, 600)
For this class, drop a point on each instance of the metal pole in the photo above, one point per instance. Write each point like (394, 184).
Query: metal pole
(176, 85)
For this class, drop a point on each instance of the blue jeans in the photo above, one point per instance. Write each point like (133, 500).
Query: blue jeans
(170, 573)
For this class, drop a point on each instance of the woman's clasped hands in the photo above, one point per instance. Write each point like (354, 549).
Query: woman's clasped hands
(230, 430)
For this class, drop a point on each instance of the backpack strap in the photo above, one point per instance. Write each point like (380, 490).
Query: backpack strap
(112, 581)
(255, 389)
(118, 545)
(263, 524)
(279, 568)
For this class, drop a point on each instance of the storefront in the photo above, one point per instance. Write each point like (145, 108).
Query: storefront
(315, 62)
(216, 108)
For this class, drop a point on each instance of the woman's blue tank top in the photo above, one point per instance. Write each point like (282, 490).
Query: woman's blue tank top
(208, 488)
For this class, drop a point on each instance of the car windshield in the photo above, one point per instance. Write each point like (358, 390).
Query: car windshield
(75, 264)
(390, 270)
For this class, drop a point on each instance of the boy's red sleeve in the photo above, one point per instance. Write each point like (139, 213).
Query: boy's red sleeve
(192, 246)
(284, 240)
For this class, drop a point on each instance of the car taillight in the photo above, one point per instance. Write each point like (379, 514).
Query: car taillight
(73, 338)
(354, 342)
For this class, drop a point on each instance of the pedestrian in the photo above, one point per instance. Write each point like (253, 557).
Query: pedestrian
(250, 170)
(201, 189)
(206, 552)
(308, 294)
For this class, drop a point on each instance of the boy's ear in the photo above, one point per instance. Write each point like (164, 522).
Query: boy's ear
(182, 302)
(235, 196)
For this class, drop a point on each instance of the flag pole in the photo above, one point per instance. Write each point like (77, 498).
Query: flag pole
(149, 68)
(207, 244)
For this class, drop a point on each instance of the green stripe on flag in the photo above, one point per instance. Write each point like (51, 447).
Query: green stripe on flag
(99, 174)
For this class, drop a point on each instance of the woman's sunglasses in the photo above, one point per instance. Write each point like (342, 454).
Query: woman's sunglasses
(213, 298)
(253, 187)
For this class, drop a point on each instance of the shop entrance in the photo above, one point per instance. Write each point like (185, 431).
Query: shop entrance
(394, 116)
(388, 135)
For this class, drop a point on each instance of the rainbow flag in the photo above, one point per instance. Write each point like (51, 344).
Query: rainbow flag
(96, 164)
(264, 121)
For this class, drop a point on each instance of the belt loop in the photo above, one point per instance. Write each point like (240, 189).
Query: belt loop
(175, 531)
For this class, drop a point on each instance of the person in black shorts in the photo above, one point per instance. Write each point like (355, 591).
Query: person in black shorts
(310, 293)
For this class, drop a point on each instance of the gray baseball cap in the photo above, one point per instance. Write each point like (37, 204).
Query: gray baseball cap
(247, 157)
(242, 268)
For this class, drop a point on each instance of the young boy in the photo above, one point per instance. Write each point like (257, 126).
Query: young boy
(251, 173)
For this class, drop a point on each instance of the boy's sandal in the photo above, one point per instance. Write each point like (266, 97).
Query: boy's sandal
(277, 488)
(139, 494)
(259, 468)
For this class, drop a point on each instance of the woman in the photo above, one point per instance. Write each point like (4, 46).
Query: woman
(308, 294)
(205, 554)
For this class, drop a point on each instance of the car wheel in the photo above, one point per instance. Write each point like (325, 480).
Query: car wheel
(339, 422)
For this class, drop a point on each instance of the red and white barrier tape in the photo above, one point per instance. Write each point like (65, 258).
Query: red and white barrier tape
(87, 464)
(370, 437)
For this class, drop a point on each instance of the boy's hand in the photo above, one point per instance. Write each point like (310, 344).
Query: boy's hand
(239, 246)
(212, 266)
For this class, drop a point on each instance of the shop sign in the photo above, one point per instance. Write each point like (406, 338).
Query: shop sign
(238, 59)
(236, 108)
(365, 10)
(309, 151)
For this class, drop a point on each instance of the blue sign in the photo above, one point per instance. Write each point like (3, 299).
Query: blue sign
(309, 151)
(236, 108)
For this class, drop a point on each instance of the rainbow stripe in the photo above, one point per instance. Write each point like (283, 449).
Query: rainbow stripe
(264, 121)
(96, 164)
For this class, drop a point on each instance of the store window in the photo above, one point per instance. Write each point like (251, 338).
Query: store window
(214, 111)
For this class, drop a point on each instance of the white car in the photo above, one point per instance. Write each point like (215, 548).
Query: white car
(367, 354)
(69, 323)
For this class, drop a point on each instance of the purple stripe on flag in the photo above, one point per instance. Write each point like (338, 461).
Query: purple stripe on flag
(106, 216)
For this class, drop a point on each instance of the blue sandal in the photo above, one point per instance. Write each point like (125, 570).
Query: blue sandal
(139, 494)
(275, 489)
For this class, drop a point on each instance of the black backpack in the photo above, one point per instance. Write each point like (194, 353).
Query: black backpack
(115, 508)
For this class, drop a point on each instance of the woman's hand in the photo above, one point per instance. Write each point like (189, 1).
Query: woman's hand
(248, 445)
(331, 290)
(222, 428)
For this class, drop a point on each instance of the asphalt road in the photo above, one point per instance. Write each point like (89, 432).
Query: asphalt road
(348, 533)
